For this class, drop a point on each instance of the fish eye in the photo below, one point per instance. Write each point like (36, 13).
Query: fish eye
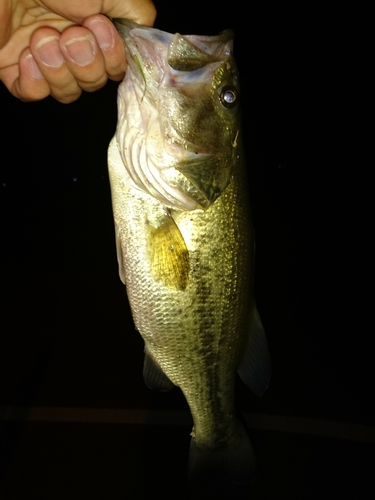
(228, 96)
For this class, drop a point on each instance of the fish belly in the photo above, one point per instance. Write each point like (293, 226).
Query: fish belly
(197, 335)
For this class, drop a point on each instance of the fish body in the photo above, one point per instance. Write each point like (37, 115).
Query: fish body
(184, 235)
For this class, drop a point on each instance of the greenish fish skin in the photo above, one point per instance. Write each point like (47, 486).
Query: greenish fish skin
(184, 234)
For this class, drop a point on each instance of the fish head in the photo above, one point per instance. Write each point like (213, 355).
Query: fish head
(178, 127)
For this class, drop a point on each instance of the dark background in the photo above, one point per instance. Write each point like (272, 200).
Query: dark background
(67, 337)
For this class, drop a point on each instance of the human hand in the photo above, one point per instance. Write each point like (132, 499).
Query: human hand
(59, 48)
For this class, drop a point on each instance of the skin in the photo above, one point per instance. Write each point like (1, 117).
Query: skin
(60, 48)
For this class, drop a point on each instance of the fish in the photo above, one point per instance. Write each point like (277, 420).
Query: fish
(184, 235)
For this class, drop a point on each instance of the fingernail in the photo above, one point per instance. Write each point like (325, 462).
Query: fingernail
(81, 50)
(49, 51)
(103, 34)
(32, 68)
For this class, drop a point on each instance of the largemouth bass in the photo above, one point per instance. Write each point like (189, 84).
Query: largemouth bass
(184, 235)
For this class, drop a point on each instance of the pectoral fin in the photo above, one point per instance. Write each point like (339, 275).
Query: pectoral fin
(169, 257)
(255, 369)
(154, 376)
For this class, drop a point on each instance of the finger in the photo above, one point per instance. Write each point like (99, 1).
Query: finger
(47, 53)
(83, 57)
(30, 85)
(110, 43)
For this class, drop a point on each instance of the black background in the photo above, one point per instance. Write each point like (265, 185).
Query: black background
(67, 337)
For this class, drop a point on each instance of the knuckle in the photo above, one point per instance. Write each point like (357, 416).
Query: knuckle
(94, 88)
(29, 93)
(65, 91)
(91, 79)
(117, 78)
(66, 98)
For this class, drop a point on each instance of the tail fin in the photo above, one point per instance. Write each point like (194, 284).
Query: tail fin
(230, 466)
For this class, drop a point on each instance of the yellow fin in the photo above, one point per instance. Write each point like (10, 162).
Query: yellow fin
(168, 254)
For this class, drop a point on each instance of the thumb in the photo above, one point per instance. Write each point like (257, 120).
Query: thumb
(5, 22)
(142, 12)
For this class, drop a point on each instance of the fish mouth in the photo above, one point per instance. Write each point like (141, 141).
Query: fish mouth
(149, 49)
(207, 47)
(185, 175)
(145, 51)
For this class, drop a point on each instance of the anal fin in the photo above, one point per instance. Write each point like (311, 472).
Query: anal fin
(154, 376)
(255, 369)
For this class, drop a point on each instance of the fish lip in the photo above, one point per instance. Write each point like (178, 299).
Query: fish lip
(130, 31)
(125, 26)
(220, 45)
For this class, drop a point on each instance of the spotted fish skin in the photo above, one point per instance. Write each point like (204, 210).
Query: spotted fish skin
(184, 234)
